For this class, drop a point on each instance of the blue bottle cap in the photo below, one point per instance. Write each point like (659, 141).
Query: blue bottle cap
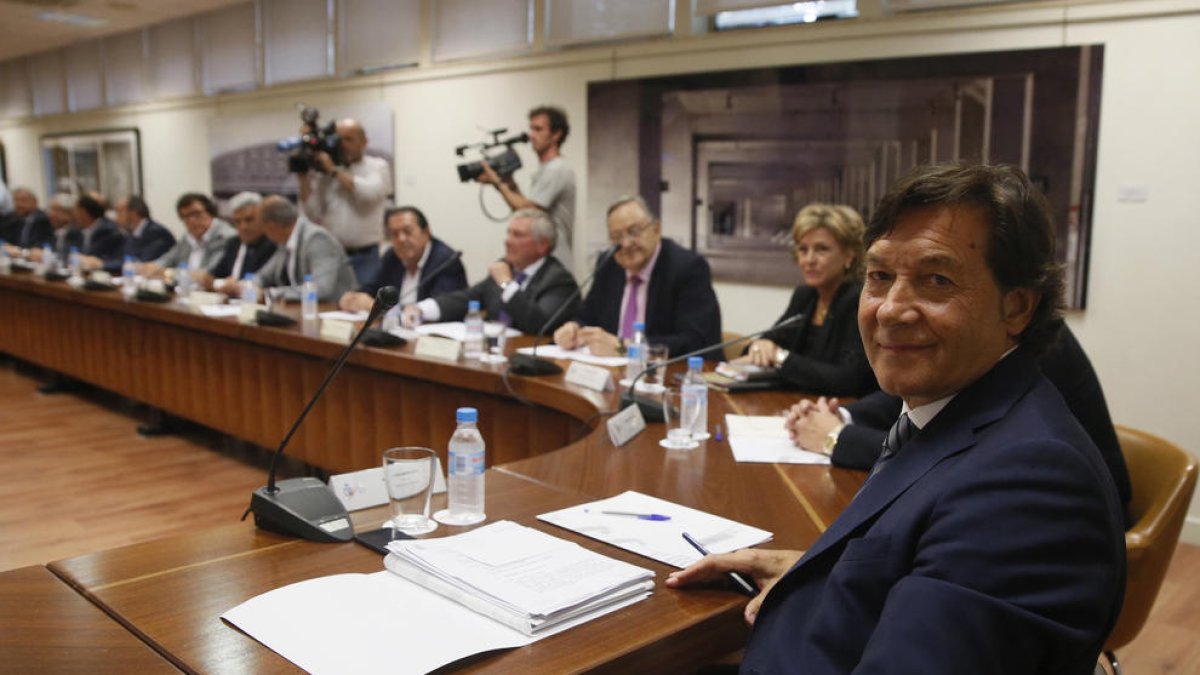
(249, 276)
(639, 326)
(308, 278)
(466, 415)
(128, 258)
(74, 249)
(695, 362)
(472, 305)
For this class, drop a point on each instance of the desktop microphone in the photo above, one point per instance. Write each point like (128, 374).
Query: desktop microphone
(652, 409)
(304, 507)
(530, 364)
(377, 337)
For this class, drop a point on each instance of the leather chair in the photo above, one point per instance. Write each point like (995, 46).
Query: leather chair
(1163, 478)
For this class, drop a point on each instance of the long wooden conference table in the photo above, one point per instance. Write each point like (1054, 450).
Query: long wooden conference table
(251, 381)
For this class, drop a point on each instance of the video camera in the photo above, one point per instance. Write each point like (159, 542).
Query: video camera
(312, 140)
(505, 163)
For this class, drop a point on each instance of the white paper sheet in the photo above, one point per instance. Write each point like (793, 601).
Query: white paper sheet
(457, 330)
(219, 311)
(583, 355)
(659, 540)
(367, 624)
(350, 317)
(763, 439)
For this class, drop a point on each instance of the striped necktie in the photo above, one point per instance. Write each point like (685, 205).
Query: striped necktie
(897, 436)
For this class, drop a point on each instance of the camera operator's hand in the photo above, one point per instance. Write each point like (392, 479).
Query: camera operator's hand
(323, 162)
(489, 174)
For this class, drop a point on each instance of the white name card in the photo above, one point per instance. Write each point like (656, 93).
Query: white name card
(334, 330)
(590, 377)
(249, 314)
(364, 489)
(197, 298)
(626, 424)
(434, 347)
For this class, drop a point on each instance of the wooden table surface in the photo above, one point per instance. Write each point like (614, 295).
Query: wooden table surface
(171, 592)
(46, 627)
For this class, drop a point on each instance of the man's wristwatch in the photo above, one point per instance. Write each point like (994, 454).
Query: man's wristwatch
(781, 355)
(621, 348)
(831, 439)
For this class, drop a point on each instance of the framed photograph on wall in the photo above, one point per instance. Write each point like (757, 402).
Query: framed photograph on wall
(108, 161)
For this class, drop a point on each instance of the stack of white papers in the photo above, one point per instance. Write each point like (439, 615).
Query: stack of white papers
(654, 527)
(457, 330)
(521, 577)
(756, 438)
(583, 355)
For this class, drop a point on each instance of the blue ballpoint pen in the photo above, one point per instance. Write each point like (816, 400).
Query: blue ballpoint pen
(639, 516)
(747, 586)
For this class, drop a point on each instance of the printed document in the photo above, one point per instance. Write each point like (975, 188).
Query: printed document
(757, 438)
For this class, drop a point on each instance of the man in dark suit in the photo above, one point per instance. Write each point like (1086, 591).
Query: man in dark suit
(27, 226)
(247, 252)
(647, 279)
(853, 435)
(523, 289)
(418, 264)
(145, 239)
(988, 538)
(102, 238)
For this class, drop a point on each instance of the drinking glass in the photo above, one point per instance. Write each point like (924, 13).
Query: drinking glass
(408, 473)
(679, 422)
(656, 356)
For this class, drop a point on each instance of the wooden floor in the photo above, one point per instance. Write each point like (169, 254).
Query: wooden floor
(77, 478)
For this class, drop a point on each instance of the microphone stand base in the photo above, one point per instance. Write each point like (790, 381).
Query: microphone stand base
(527, 364)
(302, 507)
(652, 409)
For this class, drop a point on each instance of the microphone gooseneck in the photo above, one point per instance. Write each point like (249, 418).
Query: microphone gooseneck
(385, 298)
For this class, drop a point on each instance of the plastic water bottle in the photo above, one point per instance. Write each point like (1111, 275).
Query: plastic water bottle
(635, 350)
(695, 398)
(5, 260)
(249, 289)
(308, 299)
(183, 282)
(75, 263)
(473, 345)
(466, 455)
(48, 260)
(129, 278)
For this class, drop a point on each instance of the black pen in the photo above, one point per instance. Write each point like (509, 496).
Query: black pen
(742, 582)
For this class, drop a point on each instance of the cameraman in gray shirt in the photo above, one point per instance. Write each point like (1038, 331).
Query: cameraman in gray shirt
(553, 186)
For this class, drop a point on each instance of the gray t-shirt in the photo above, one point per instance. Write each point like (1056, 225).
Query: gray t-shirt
(553, 188)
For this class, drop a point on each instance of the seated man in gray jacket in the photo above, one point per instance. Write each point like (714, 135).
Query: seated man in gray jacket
(301, 249)
(203, 244)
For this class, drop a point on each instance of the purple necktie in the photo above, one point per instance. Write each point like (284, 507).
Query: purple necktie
(631, 308)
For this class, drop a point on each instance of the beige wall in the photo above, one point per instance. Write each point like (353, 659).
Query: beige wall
(1140, 328)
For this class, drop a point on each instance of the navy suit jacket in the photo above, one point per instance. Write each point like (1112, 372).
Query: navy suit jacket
(681, 307)
(107, 243)
(155, 240)
(30, 232)
(391, 273)
(530, 308)
(991, 543)
(257, 255)
(1066, 366)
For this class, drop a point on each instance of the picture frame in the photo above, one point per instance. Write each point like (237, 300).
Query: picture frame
(108, 161)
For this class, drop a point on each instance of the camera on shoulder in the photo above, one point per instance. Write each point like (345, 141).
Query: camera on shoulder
(314, 138)
(504, 162)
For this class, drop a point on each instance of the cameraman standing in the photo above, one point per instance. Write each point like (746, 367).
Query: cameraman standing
(348, 198)
(553, 186)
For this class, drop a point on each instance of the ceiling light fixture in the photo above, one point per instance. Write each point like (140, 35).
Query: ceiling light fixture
(79, 20)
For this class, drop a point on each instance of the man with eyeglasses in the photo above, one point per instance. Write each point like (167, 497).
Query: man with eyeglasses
(648, 279)
(417, 263)
(203, 245)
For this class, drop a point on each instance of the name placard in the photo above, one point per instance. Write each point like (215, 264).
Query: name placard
(434, 347)
(198, 298)
(626, 424)
(590, 377)
(341, 332)
(249, 314)
(364, 489)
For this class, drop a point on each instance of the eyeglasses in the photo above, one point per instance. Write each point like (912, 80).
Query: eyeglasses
(632, 232)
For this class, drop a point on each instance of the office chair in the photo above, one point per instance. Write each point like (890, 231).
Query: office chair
(1163, 478)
